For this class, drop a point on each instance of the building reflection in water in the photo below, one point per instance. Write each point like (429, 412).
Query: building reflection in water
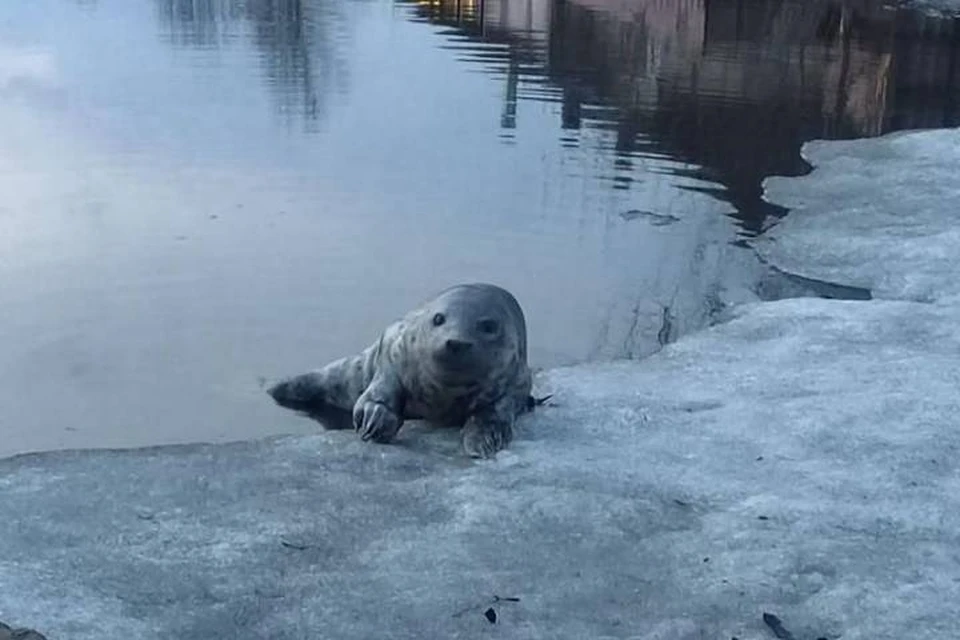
(732, 86)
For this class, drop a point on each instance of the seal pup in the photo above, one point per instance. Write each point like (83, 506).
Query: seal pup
(459, 359)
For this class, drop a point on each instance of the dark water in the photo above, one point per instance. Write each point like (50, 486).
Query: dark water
(199, 194)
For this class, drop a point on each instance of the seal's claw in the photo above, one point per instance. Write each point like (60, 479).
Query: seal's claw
(484, 439)
(375, 421)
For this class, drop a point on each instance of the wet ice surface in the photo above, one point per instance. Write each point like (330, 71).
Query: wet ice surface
(841, 232)
(800, 460)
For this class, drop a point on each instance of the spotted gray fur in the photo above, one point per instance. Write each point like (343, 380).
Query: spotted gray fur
(460, 359)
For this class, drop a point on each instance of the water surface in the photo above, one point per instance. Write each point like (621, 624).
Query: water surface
(198, 195)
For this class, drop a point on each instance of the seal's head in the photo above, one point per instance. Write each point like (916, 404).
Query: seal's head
(471, 332)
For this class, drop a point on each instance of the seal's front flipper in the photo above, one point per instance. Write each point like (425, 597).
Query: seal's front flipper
(378, 413)
(489, 430)
(375, 421)
(482, 437)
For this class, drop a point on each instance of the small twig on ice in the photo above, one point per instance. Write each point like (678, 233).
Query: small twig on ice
(776, 626)
(294, 545)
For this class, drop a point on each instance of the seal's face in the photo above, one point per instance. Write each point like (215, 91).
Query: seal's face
(466, 336)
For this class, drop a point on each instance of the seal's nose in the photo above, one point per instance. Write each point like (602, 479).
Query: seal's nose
(457, 347)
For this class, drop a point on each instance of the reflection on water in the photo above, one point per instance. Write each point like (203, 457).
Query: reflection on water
(299, 43)
(199, 194)
(731, 86)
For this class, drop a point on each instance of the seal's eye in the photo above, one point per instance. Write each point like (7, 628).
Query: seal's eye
(439, 319)
(488, 326)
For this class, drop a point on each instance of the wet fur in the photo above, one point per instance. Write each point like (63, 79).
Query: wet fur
(399, 377)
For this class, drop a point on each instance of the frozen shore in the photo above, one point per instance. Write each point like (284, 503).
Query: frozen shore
(799, 460)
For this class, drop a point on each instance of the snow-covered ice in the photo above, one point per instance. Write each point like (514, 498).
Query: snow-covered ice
(800, 459)
(881, 214)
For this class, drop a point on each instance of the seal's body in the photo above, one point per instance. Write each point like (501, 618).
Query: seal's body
(458, 360)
